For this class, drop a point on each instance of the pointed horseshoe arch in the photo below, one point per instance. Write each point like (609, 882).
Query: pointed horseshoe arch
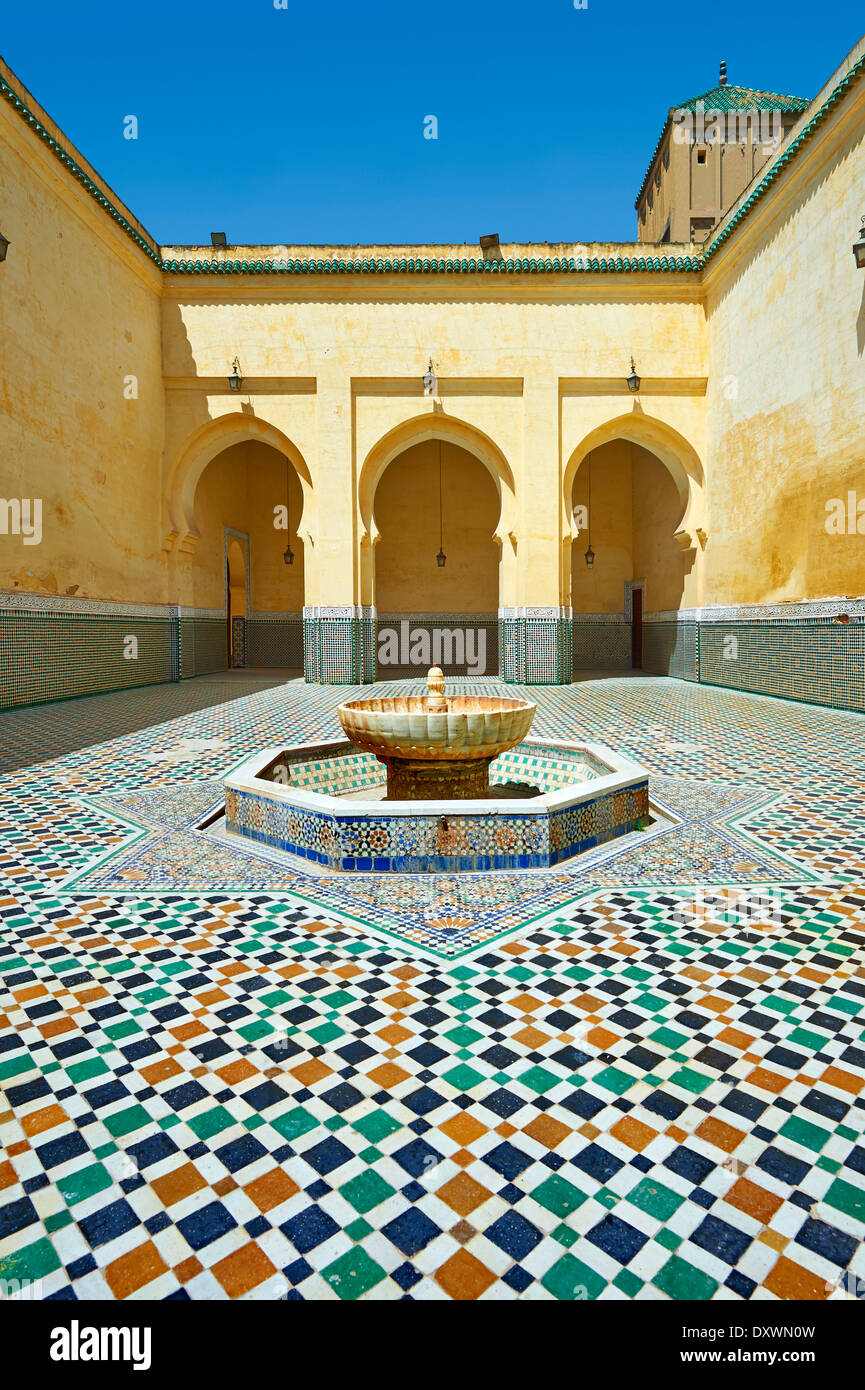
(678, 456)
(202, 447)
(435, 426)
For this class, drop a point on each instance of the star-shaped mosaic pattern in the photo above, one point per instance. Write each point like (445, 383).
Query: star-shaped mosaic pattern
(652, 1089)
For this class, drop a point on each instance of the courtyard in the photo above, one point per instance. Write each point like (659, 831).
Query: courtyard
(641, 1078)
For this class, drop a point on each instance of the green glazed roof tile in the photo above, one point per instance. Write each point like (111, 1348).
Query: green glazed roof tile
(743, 99)
(734, 97)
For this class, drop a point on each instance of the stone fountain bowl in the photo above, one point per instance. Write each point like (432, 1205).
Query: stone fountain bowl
(403, 726)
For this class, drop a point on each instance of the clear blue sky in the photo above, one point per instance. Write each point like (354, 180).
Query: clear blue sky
(306, 124)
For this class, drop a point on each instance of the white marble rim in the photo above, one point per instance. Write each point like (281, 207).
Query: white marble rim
(624, 773)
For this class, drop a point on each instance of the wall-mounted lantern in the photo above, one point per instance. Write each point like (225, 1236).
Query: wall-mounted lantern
(235, 380)
(4, 246)
(859, 247)
(632, 379)
(430, 383)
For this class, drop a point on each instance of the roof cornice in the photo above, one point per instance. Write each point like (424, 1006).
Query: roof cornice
(432, 265)
(449, 265)
(778, 166)
(75, 169)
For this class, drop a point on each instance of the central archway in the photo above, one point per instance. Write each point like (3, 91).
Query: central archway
(431, 613)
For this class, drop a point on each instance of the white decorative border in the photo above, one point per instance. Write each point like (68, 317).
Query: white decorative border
(466, 619)
(211, 613)
(20, 599)
(348, 610)
(814, 609)
(544, 613)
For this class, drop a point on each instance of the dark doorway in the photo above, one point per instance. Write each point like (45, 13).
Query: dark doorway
(637, 629)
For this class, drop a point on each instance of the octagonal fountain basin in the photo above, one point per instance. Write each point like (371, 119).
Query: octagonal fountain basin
(435, 746)
(325, 806)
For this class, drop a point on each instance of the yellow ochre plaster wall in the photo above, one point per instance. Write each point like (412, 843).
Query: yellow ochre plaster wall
(79, 314)
(785, 309)
(751, 402)
(407, 577)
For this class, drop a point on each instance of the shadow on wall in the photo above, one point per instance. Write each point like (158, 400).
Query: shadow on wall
(415, 518)
(248, 487)
(634, 515)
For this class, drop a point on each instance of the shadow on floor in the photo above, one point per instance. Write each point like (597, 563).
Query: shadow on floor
(634, 674)
(40, 733)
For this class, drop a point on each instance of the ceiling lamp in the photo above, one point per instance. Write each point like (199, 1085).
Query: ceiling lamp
(235, 380)
(590, 554)
(858, 247)
(632, 379)
(441, 558)
(288, 553)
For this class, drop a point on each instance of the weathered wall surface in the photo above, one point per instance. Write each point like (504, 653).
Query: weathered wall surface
(80, 313)
(407, 577)
(747, 423)
(785, 308)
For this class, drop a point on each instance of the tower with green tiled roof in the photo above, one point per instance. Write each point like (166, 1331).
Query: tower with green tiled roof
(711, 147)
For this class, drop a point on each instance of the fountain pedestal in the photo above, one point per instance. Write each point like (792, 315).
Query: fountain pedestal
(420, 779)
(436, 747)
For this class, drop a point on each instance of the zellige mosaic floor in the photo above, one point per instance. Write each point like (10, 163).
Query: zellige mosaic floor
(643, 1079)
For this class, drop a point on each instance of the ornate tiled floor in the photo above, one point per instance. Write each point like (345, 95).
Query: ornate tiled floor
(640, 1079)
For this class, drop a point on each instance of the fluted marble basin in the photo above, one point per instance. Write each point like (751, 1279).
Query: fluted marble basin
(473, 726)
(436, 746)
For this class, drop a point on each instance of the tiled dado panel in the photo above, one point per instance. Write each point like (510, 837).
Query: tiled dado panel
(820, 662)
(338, 647)
(535, 647)
(601, 646)
(238, 642)
(275, 642)
(672, 649)
(57, 655)
(203, 646)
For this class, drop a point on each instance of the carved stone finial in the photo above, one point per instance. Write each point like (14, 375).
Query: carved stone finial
(436, 699)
